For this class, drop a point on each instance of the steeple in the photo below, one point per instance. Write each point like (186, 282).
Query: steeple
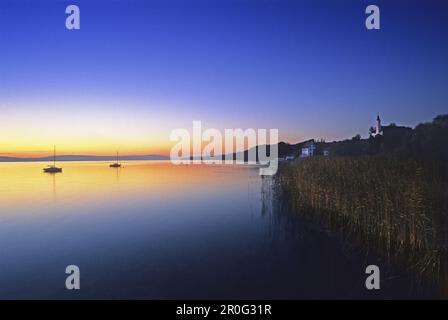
(378, 128)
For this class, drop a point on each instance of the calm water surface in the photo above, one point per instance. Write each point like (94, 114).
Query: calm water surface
(154, 230)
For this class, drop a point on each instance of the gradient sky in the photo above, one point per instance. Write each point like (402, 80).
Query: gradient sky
(138, 69)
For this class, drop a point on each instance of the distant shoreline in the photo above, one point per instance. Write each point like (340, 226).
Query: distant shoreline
(83, 158)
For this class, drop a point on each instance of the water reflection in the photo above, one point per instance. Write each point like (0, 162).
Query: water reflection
(154, 230)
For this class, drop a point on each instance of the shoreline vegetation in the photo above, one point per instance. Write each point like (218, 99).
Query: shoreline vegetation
(392, 203)
(393, 206)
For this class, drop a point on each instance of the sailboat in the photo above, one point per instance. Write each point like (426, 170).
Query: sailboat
(53, 168)
(116, 164)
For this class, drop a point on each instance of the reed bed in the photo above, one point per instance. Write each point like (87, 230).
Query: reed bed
(393, 206)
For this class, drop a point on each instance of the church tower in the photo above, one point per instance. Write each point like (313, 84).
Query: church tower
(378, 129)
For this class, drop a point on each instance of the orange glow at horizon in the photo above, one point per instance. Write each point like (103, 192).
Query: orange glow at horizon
(88, 131)
(31, 131)
(98, 147)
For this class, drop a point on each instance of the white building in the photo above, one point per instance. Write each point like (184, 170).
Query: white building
(378, 130)
(308, 150)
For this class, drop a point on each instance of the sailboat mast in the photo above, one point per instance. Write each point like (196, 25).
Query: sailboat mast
(54, 156)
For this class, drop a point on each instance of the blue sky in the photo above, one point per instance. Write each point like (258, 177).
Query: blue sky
(309, 68)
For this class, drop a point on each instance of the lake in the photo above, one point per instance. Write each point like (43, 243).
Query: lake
(152, 230)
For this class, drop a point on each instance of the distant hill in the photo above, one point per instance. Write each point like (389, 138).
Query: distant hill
(284, 149)
(83, 158)
(426, 140)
